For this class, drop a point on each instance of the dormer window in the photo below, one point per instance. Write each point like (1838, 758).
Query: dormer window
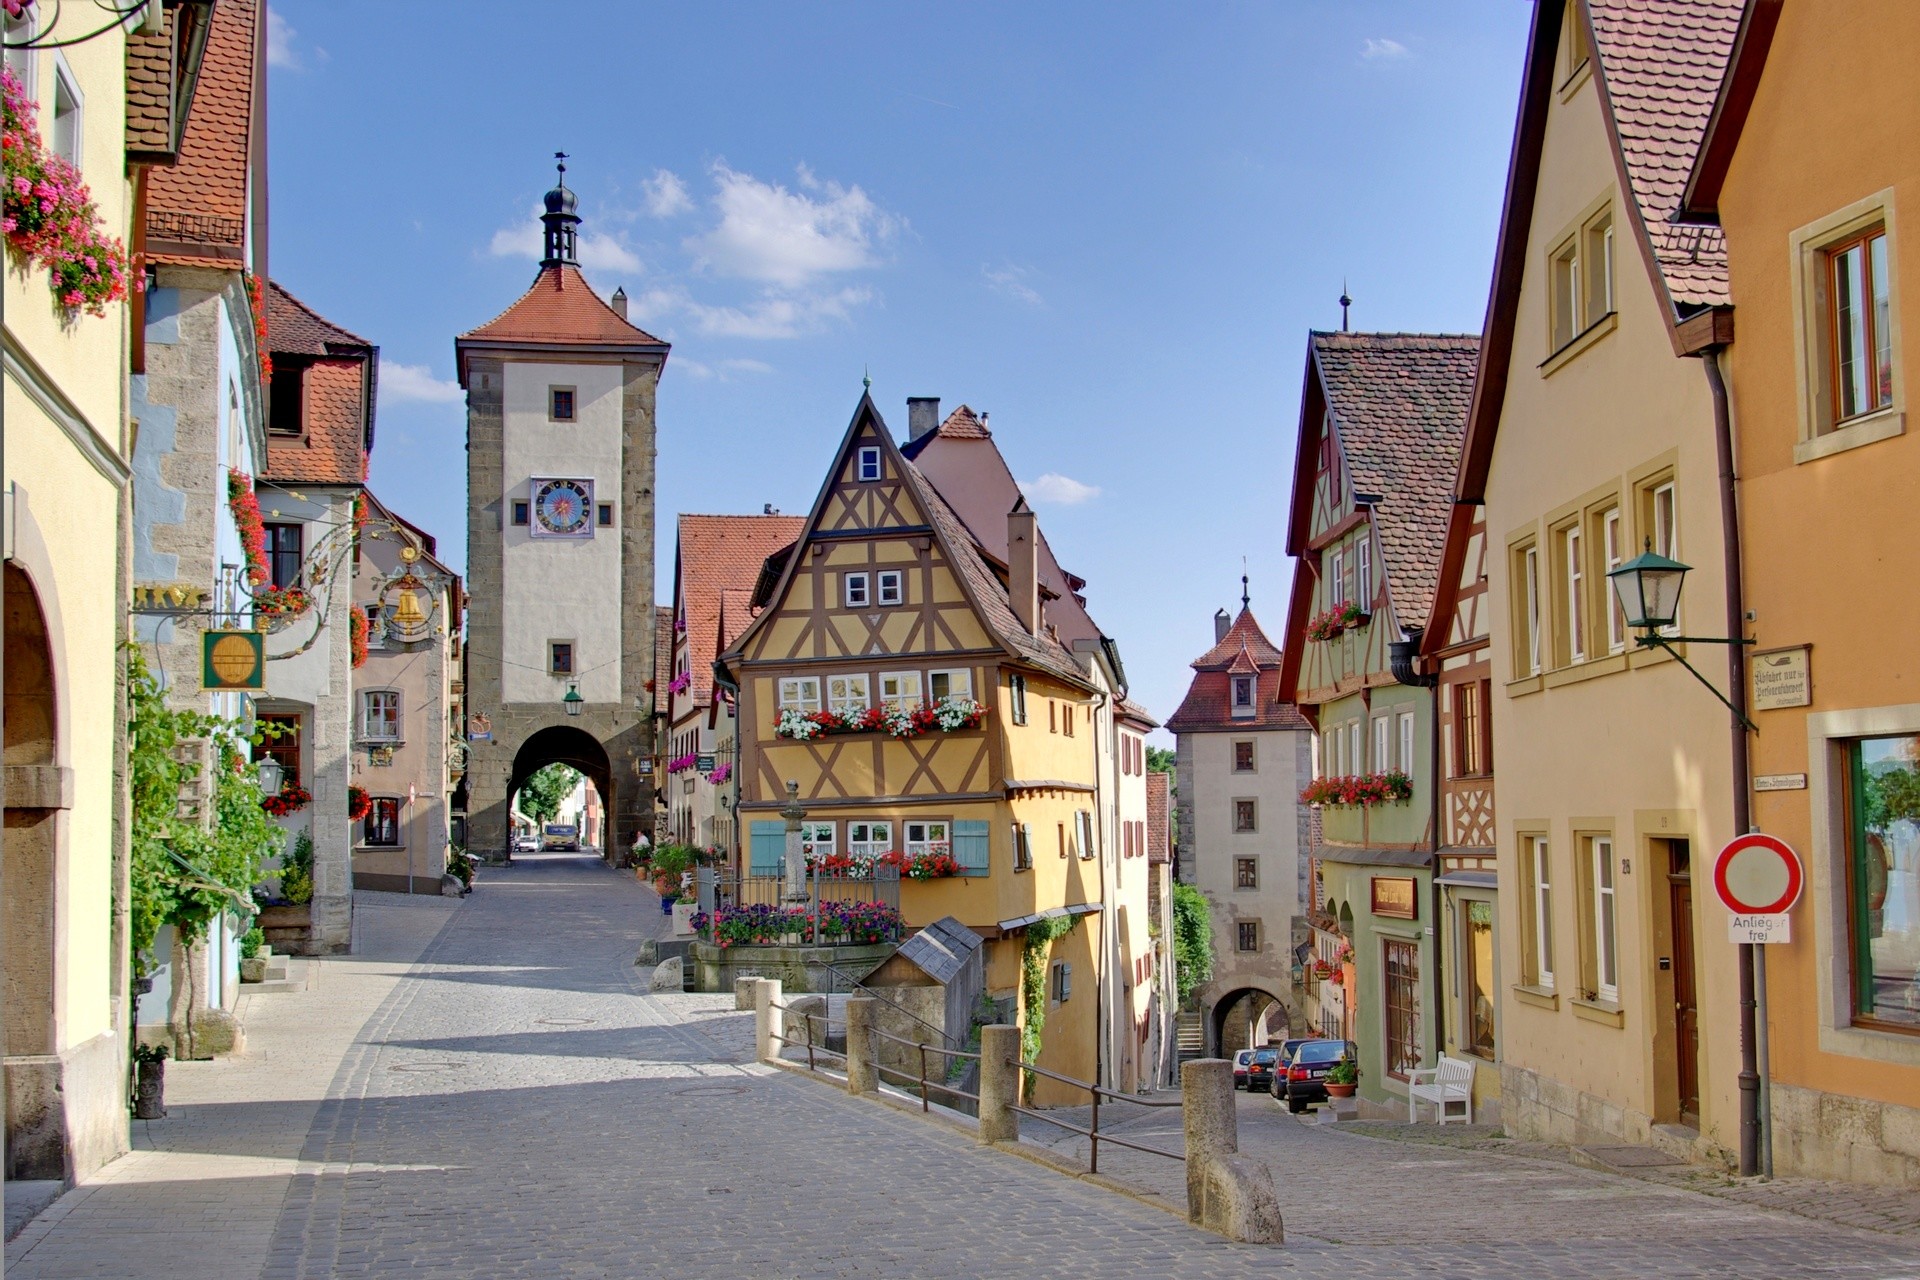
(869, 464)
(1243, 695)
(287, 398)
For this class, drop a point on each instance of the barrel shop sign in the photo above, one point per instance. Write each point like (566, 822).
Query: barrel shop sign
(1759, 878)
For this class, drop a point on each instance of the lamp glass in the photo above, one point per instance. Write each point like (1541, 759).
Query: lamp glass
(1648, 589)
(271, 775)
(573, 701)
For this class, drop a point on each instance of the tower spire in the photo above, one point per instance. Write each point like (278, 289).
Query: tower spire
(1245, 598)
(1345, 302)
(562, 223)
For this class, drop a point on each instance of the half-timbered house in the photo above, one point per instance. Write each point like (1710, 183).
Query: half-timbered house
(1380, 425)
(889, 605)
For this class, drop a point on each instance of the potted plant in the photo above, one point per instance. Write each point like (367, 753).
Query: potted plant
(1343, 1078)
(149, 1081)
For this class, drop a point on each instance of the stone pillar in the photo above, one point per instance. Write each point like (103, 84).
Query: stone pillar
(796, 859)
(1000, 1084)
(743, 989)
(1226, 1191)
(863, 1074)
(766, 1020)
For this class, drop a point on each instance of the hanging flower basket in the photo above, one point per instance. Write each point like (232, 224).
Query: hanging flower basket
(680, 683)
(357, 628)
(292, 798)
(1330, 623)
(48, 216)
(280, 605)
(245, 506)
(1359, 790)
(359, 804)
(257, 303)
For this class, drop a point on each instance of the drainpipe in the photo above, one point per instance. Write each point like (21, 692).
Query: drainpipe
(720, 679)
(1755, 1149)
(1402, 658)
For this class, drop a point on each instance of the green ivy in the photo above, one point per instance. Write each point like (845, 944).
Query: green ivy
(183, 874)
(1192, 939)
(1035, 950)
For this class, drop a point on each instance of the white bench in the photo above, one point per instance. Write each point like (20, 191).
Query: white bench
(1452, 1082)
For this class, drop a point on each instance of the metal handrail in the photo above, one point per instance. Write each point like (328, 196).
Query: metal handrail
(1093, 1135)
(925, 1082)
(826, 1025)
(857, 985)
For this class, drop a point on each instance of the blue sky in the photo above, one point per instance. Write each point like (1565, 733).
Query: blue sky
(1110, 226)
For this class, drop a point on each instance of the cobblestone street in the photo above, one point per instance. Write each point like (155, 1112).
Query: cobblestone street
(484, 1089)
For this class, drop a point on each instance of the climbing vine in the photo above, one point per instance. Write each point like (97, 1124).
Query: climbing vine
(184, 873)
(1192, 939)
(1035, 949)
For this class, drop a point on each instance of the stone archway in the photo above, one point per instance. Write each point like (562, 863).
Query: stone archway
(576, 748)
(1246, 1018)
(35, 798)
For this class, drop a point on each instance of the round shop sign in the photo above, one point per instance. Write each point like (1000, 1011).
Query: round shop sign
(1758, 875)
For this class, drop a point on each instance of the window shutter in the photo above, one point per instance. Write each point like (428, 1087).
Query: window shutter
(768, 848)
(970, 846)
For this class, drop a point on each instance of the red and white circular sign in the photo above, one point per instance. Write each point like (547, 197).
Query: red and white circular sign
(1758, 875)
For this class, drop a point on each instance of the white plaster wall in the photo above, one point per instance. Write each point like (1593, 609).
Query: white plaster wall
(553, 588)
(1212, 844)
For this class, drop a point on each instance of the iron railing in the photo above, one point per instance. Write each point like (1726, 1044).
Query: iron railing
(721, 887)
(1093, 1135)
(927, 1083)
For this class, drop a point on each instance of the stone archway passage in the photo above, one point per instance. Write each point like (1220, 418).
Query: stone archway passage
(575, 748)
(1246, 1018)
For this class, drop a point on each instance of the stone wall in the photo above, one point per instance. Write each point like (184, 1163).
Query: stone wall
(1538, 1108)
(1829, 1135)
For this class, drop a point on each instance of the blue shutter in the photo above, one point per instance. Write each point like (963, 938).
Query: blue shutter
(970, 846)
(768, 849)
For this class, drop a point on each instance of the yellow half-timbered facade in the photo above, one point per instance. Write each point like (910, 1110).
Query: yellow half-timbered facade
(887, 606)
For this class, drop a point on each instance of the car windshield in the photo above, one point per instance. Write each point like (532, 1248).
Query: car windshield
(1321, 1051)
(1265, 1055)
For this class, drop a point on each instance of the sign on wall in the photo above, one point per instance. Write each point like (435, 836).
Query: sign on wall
(1396, 897)
(1758, 878)
(233, 661)
(1782, 678)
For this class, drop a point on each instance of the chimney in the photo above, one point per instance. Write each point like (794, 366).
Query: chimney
(620, 303)
(1221, 625)
(923, 416)
(1023, 576)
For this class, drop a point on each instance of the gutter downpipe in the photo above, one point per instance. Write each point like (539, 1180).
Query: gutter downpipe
(1756, 1147)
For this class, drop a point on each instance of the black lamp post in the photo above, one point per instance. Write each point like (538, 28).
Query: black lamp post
(1647, 588)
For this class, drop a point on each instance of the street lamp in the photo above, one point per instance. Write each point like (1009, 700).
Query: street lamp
(573, 701)
(271, 775)
(1647, 588)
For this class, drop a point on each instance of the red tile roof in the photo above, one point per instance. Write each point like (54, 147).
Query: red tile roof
(1244, 650)
(719, 556)
(1133, 711)
(662, 656)
(1399, 403)
(1661, 64)
(338, 371)
(1158, 828)
(561, 309)
(297, 329)
(961, 424)
(203, 198)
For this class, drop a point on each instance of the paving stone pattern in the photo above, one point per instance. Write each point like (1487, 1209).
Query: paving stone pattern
(486, 1090)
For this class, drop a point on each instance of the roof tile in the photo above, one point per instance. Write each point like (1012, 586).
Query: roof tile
(1244, 650)
(203, 198)
(560, 307)
(720, 557)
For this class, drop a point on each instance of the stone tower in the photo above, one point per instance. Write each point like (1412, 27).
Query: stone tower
(560, 506)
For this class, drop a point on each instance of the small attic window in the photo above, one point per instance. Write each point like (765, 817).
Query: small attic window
(868, 466)
(286, 398)
(1243, 696)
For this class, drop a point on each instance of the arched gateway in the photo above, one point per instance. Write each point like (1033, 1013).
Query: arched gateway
(560, 506)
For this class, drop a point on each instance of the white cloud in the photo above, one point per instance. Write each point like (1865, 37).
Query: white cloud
(1012, 281)
(597, 252)
(772, 315)
(1384, 50)
(415, 382)
(280, 34)
(1053, 489)
(723, 370)
(666, 195)
(787, 238)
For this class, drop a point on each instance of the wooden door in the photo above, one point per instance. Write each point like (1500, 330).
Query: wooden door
(1686, 1013)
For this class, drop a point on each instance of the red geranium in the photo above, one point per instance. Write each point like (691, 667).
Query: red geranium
(292, 798)
(357, 635)
(253, 530)
(359, 804)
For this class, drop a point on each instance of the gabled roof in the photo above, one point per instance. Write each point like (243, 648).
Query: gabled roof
(1243, 636)
(1701, 201)
(197, 208)
(961, 424)
(559, 310)
(163, 70)
(1243, 651)
(1399, 407)
(985, 592)
(339, 390)
(717, 555)
(1658, 68)
(1135, 714)
(736, 611)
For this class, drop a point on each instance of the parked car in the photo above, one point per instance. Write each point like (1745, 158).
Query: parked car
(526, 844)
(1240, 1061)
(1306, 1073)
(1287, 1049)
(1261, 1067)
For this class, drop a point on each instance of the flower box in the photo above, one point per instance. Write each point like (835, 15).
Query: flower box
(949, 715)
(1331, 622)
(1359, 790)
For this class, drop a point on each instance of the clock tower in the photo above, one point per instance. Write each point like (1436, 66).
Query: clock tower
(560, 506)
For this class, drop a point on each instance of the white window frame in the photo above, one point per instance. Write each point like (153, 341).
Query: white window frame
(1363, 573)
(1251, 706)
(64, 81)
(823, 836)
(1382, 744)
(1613, 544)
(922, 838)
(1083, 833)
(25, 62)
(959, 683)
(867, 464)
(1664, 501)
(891, 588)
(1606, 921)
(1406, 743)
(1356, 748)
(1573, 544)
(1541, 854)
(367, 700)
(848, 693)
(1337, 577)
(1530, 571)
(869, 839)
(900, 690)
(800, 693)
(854, 589)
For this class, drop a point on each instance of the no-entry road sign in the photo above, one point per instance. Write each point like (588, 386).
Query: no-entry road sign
(1758, 878)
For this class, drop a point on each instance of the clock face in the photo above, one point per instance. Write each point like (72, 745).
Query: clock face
(563, 508)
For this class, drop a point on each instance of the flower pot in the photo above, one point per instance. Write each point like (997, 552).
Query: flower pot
(149, 1090)
(666, 906)
(1342, 1090)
